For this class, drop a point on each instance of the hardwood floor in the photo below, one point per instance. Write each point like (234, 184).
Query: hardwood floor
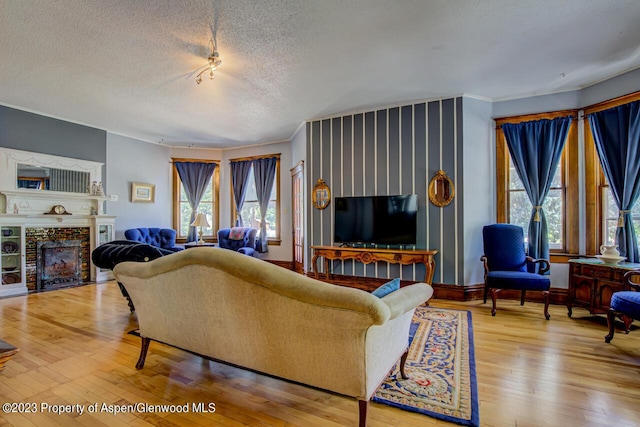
(75, 350)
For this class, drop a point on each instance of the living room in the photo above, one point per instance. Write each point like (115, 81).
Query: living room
(389, 144)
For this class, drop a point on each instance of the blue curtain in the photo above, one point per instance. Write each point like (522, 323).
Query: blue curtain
(195, 177)
(616, 133)
(264, 172)
(239, 174)
(535, 149)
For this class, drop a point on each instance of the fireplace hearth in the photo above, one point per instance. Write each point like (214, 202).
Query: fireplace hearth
(59, 263)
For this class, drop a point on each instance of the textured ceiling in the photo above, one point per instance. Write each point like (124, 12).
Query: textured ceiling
(128, 66)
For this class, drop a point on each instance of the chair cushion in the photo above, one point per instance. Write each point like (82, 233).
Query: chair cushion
(517, 280)
(387, 288)
(626, 302)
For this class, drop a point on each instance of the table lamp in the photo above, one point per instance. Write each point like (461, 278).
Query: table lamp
(200, 221)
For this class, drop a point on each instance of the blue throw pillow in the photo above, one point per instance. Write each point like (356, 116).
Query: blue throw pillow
(387, 288)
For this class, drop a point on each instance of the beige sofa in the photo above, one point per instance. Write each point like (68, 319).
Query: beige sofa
(254, 314)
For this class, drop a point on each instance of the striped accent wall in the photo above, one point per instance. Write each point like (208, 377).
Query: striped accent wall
(387, 152)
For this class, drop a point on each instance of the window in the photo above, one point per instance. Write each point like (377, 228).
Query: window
(208, 205)
(610, 217)
(513, 205)
(601, 210)
(250, 209)
(554, 206)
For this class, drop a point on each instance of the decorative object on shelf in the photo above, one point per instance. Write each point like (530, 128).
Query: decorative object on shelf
(7, 232)
(321, 196)
(96, 189)
(609, 254)
(10, 247)
(15, 209)
(213, 59)
(9, 268)
(58, 210)
(93, 211)
(10, 278)
(141, 192)
(441, 189)
(200, 221)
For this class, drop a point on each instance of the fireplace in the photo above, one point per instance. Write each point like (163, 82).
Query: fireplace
(59, 263)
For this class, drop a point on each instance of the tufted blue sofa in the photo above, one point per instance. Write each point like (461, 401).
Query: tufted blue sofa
(164, 238)
(246, 245)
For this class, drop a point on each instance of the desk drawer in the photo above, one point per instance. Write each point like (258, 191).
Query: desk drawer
(597, 272)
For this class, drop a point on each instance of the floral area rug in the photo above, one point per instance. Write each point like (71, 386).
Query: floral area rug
(441, 369)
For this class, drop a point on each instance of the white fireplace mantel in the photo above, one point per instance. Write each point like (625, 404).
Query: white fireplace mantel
(15, 200)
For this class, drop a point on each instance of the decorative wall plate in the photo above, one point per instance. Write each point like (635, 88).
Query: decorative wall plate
(10, 248)
(8, 279)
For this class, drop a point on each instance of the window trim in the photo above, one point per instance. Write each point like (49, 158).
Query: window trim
(569, 161)
(176, 198)
(277, 240)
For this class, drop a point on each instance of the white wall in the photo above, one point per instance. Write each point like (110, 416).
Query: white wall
(131, 160)
(479, 187)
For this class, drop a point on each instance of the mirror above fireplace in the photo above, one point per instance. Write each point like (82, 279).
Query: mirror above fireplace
(54, 179)
(31, 183)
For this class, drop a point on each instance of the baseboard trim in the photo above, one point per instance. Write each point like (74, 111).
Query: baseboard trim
(284, 264)
(476, 292)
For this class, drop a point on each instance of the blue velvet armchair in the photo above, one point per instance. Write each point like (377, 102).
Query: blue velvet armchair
(239, 239)
(624, 304)
(164, 238)
(507, 266)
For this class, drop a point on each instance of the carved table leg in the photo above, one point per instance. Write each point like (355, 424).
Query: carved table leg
(314, 265)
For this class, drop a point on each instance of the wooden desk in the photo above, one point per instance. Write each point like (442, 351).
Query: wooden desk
(369, 255)
(592, 282)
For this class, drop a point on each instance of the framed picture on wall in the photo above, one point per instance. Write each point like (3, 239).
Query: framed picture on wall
(141, 192)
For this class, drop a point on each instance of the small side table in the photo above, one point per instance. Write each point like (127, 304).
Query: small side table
(202, 245)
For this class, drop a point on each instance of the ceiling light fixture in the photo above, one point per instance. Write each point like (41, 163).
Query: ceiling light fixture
(214, 62)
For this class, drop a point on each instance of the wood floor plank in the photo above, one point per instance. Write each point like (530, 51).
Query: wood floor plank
(75, 349)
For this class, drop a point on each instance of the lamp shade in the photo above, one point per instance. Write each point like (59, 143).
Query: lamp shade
(201, 221)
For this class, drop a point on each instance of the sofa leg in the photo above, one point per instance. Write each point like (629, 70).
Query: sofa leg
(611, 320)
(143, 352)
(403, 360)
(363, 407)
(524, 292)
(486, 291)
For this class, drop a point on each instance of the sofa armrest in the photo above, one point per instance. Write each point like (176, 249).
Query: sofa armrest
(407, 298)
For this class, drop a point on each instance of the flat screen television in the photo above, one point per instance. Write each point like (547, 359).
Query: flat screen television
(381, 220)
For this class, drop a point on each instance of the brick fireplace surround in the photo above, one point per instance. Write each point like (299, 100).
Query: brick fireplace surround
(39, 234)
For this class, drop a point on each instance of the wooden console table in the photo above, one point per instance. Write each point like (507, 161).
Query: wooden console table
(369, 255)
(591, 284)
